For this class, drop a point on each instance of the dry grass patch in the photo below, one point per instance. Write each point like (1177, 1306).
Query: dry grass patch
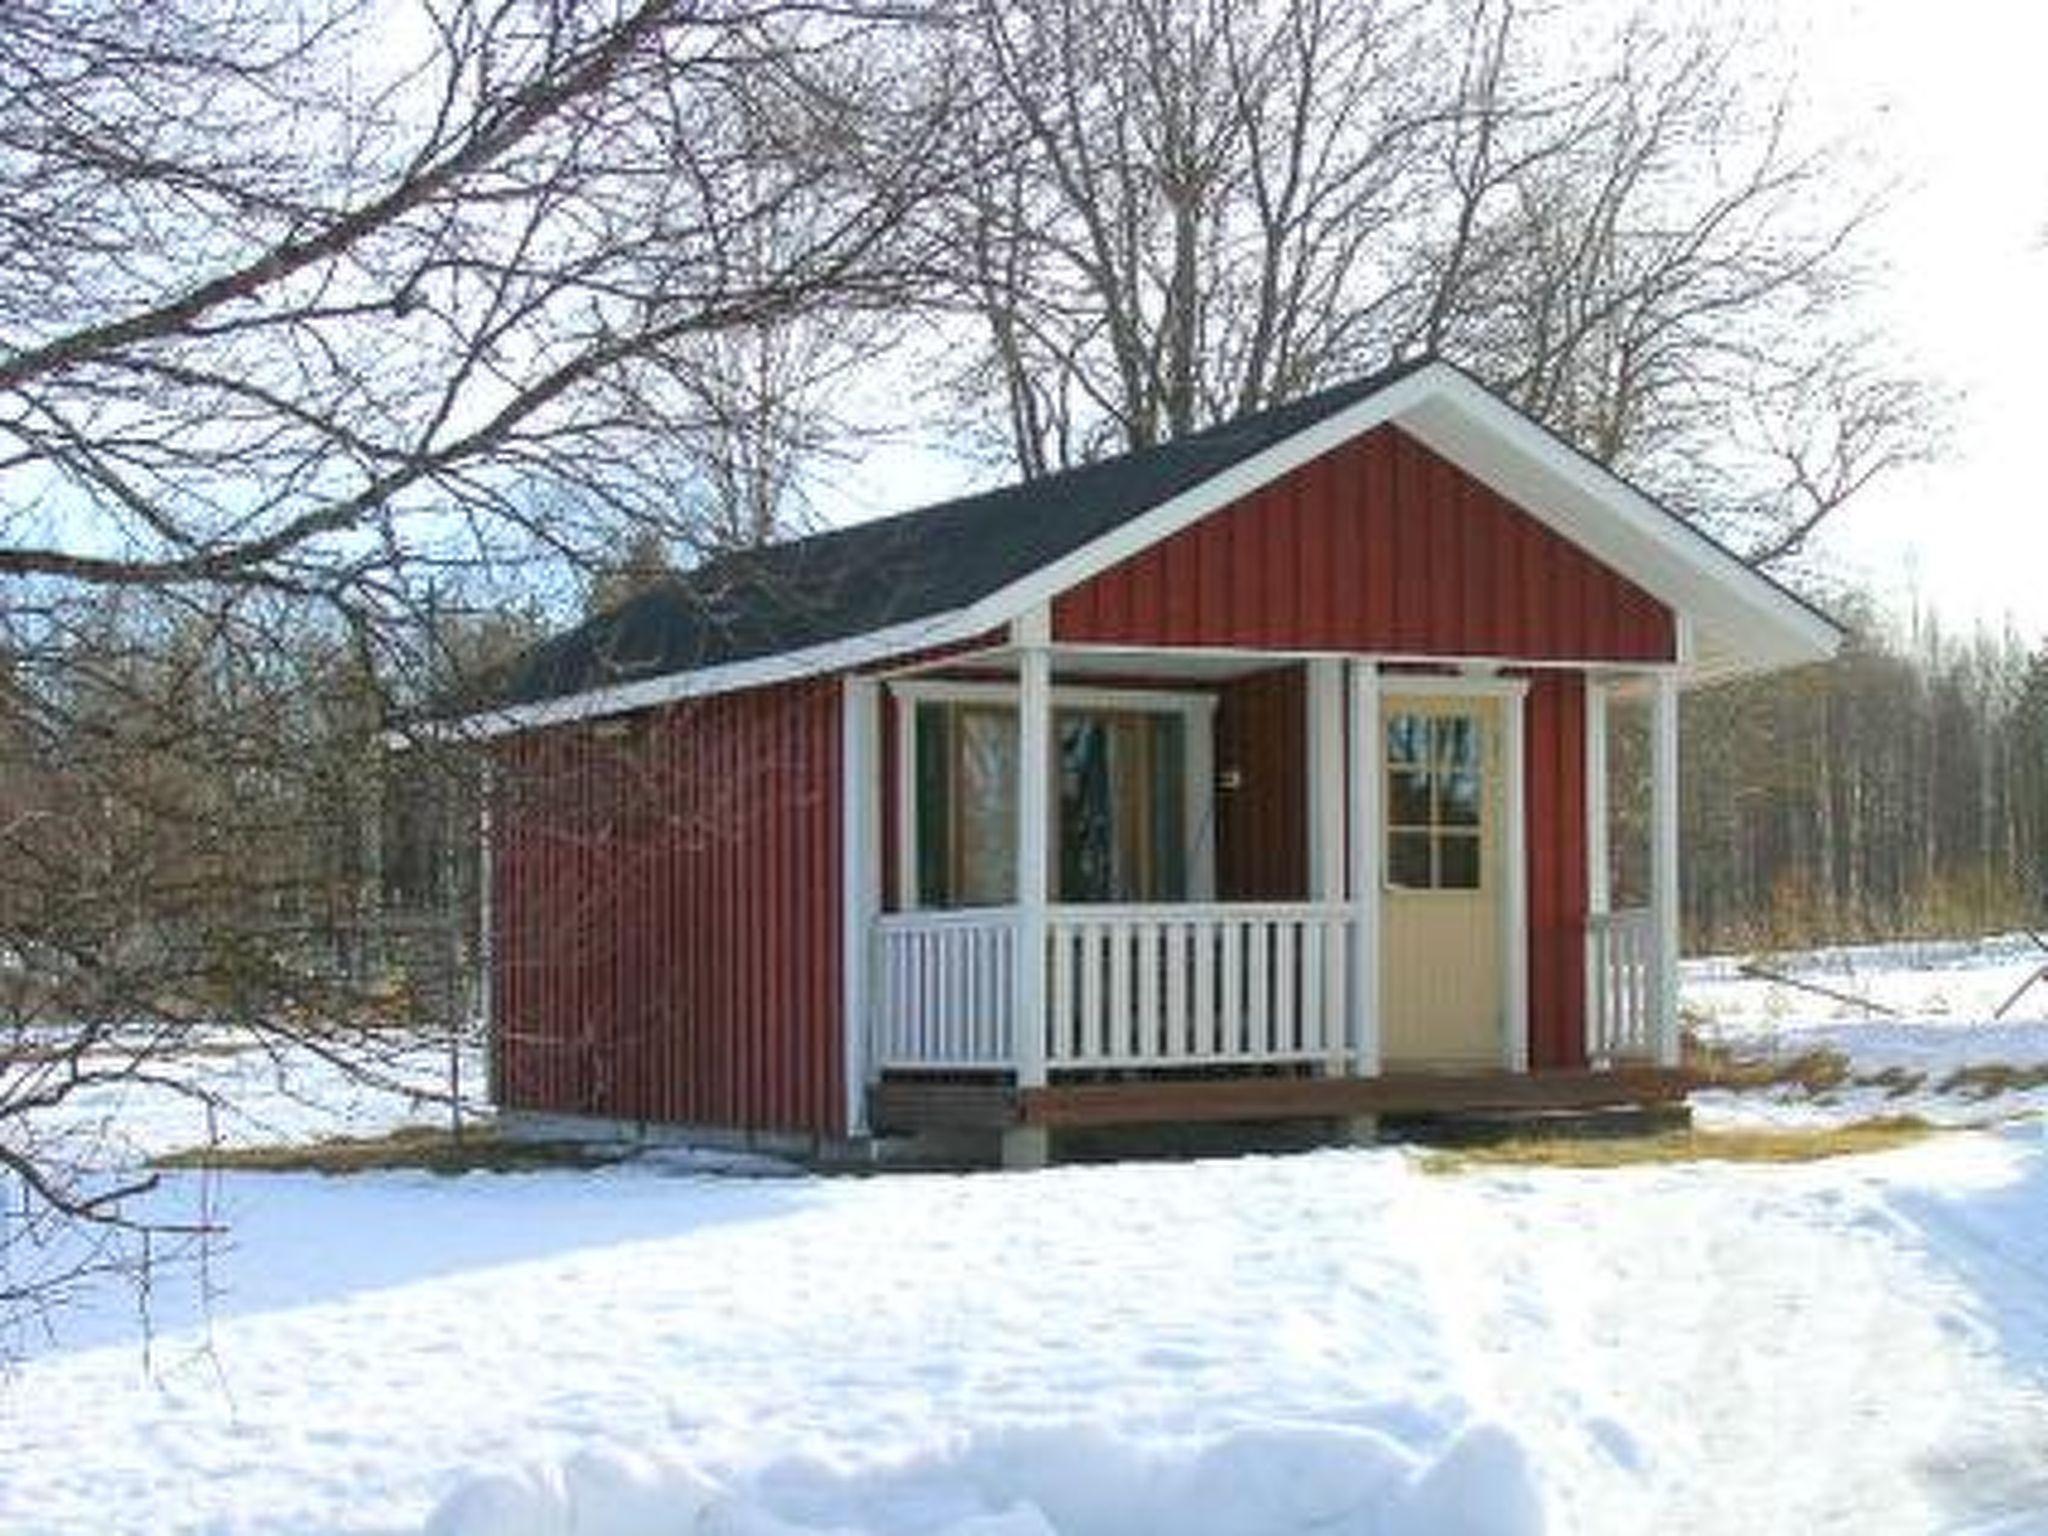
(1719, 1066)
(1897, 1082)
(1758, 1145)
(1989, 1080)
(432, 1149)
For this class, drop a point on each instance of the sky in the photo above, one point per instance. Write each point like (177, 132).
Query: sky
(1948, 103)
(1951, 97)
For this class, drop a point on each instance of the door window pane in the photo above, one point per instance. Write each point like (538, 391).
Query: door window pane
(1408, 861)
(1407, 739)
(1409, 793)
(1435, 801)
(1458, 797)
(1457, 741)
(1457, 867)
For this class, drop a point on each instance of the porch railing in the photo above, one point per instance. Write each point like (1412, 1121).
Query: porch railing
(1126, 986)
(945, 995)
(1621, 1012)
(1164, 986)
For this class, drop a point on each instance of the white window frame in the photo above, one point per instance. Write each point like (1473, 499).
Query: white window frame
(1197, 712)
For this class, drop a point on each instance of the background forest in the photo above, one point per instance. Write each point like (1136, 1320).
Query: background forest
(1900, 790)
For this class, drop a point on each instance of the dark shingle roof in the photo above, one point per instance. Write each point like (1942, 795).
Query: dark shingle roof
(852, 581)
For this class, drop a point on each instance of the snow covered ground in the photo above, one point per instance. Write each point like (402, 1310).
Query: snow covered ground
(268, 1092)
(1338, 1342)
(1913, 1021)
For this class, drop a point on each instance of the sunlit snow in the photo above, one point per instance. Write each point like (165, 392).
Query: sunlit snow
(1335, 1342)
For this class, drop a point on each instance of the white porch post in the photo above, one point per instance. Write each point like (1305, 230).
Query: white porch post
(860, 833)
(1325, 779)
(1034, 839)
(1599, 865)
(1363, 850)
(1515, 884)
(1326, 852)
(1599, 869)
(1664, 860)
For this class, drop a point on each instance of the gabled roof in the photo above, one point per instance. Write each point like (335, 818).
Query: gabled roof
(958, 569)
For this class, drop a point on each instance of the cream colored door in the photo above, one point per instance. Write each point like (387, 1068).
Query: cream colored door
(1441, 999)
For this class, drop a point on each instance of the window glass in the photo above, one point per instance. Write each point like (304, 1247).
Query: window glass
(1087, 848)
(1457, 867)
(1408, 860)
(1409, 796)
(985, 807)
(1169, 761)
(1435, 802)
(1122, 806)
(966, 805)
(1119, 811)
(934, 805)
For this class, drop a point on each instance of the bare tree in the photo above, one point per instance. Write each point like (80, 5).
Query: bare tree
(308, 309)
(1207, 206)
(1188, 212)
(297, 318)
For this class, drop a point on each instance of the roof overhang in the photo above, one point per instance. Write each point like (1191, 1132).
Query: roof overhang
(1735, 621)
(1732, 621)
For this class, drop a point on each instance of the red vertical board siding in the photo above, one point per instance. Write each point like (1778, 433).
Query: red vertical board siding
(1261, 827)
(665, 918)
(1378, 545)
(1554, 746)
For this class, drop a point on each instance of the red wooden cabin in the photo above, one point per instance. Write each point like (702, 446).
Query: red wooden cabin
(1260, 774)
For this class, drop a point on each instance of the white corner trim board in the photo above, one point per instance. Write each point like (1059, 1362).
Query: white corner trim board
(861, 896)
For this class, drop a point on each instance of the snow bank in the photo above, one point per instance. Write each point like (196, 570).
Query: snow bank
(1274, 1480)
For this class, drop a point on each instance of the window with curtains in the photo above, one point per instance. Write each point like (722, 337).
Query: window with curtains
(1119, 812)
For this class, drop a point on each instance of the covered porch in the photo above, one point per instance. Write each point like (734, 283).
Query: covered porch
(1325, 988)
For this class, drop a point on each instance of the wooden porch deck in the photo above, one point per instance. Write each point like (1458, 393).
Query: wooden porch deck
(908, 1105)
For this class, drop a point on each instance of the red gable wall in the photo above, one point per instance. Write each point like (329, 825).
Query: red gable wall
(1379, 545)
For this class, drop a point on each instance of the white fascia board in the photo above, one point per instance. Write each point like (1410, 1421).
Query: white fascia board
(782, 667)
(1747, 623)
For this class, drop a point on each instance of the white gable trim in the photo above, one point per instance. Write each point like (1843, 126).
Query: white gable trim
(1751, 624)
